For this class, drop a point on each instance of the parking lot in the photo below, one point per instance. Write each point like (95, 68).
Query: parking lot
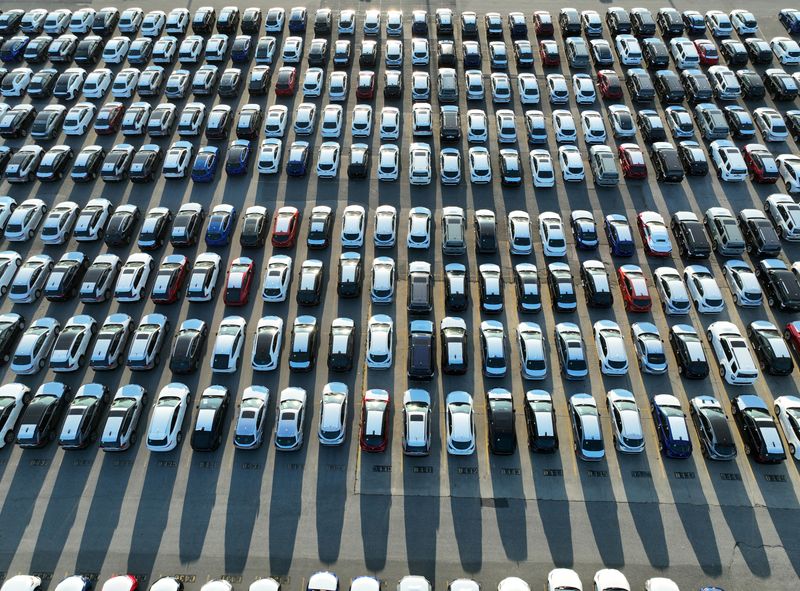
(249, 514)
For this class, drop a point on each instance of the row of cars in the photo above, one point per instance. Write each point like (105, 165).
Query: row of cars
(559, 578)
(34, 420)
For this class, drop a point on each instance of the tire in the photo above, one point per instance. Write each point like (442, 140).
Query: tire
(41, 363)
(736, 299)
(3, 290)
(6, 358)
(157, 359)
(81, 360)
(179, 438)
(9, 437)
(771, 301)
(786, 335)
(791, 449)
(37, 294)
(133, 439)
(746, 449)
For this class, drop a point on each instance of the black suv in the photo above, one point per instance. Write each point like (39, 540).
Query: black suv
(690, 237)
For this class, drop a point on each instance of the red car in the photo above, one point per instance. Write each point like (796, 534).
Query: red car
(633, 286)
(237, 286)
(709, 56)
(169, 279)
(375, 421)
(792, 335)
(109, 118)
(543, 23)
(761, 164)
(286, 81)
(655, 235)
(609, 84)
(548, 51)
(631, 160)
(366, 84)
(284, 227)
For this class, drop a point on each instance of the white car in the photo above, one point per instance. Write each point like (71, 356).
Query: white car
(649, 348)
(655, 233)
(542, 168)
(571, 163)
(81, 21)
(33, 348)
(252, 418)
(501, 87)
(177, 21)
(267, 343)
(416, 440)
(216, 48)
(786, 50)
(228, 345)
(361, 125)
(59, 223)
(672, 291)
(684, 53)
(419, 228)
(626, 422)
(473, 82)
(269, 156)
(506, 126)
(305, 119)
(460, 419)
(92, 220)
(480, 167)
(24, 220)
(292, 50)
(380, 330)
(450, 166)
(202, 281)
(622, 121)
(628, 49)
(190, 122)
(493, 349)
(388, 162)
(147, 342)
(385, 233)
(390, 123)
(564, 126)
(528, 89)
(594, 130)
(331, 121)
(274, 20)
(551, 232)
(520, 234)
(30, 280)
(420, 51)
(789, 167)
(557, 89)
(354, 222)
(313, 82)
(328, 160)
(165, 431)
(771, 124)
(610, 348)
(420, 164)
(13, 398)
(532, 355)
(787, 410)
(420, 86)
(119, 430)
(333, 414)
(153, 23)
(58, 20)
(477, 126)
(133, 277)
(745, 288)
(191, 49)
(275, 121)
(703, 289)
(728, 161)
(383, 279)
(116, 50)
(583, 89)
(337, 86)
(111, 343)
(164, 50)
(422, 119)
(78, 119)
(562, 579)
(125, 83)
(736, 364)
(785, 215)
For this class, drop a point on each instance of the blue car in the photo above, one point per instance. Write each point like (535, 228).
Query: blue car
(13, 49)
(620, 237)
(584, 229)
(242, 49)
(790, 19)
(297, 163)
(671, 426)
(238, 159)
(297, 20)
(205, 164)
(220, 225)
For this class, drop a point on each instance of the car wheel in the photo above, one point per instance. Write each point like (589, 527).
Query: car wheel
(41, 364)
(179, 437)
(133, 439)
(3, 290)
(746, 449)
(736, 299)
(157, 359)
(786, 335)
(6, 357)
(107, 294)
(30, 234)
(771, 302)
(81, 360)
(791, 449)
(37, 294)
(9, 438)
(721, 371)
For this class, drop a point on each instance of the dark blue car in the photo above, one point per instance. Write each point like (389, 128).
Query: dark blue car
(220, 225)
(584, 229)
(238, 159)
(620, 237)
(242, 49)
(671, 426)
(13, 49)
(297, 163)
(205, 164)
(790, 19)
(297, 19)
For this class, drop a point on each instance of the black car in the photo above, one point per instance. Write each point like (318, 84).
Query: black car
(758, 50)
(642, 23)
(89, 51)
(318, 52)
(11, 328)
(456, 287)
(751, 84)
(251, 21)
(358, 168)
(618, 21)
(713, 429)
(698, 88)
(485, 232)
(780, 85)
(66, 277)
(690, 237)
(770, 349)
(54, 163)
(204, 20)
(651, 126)
(320, 225)
(759, 234)
(669, 88)
(5, 156)
(42, 83)
(369, 53)
(188, 346)
(228, 21)
(561, 286)
(655, 53)
(230, 84)
(734, 52)
(688, 352)
(105, 22)
(187, 226)
(781, 286)
(758, 429)
(255, 227)
(421, 350)
(121, 225)
(83, 416)
(211, 419)
(36, 51)
(42, 416)
(87, 164)
(146, 163)
(500, 417)
(569, 21)
(639, 85)
(16, 123)
(154, 228)
(455, 352)
(309, 290)
(392, 84)
(693, 158)
(670, 22)
(596, 285)
(341, 345)
(526, 284)
(540, 420)
(260, 77)
(351, 275)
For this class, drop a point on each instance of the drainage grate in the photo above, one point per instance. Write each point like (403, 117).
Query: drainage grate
(494, 503)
